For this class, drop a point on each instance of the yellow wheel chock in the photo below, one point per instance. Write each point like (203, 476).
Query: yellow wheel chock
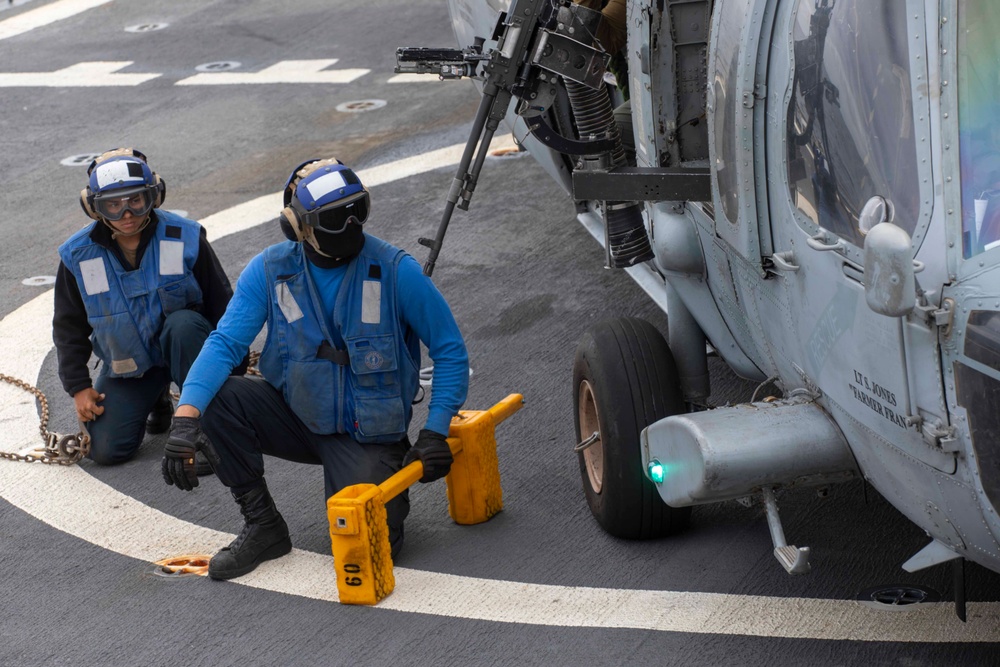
(359, 535)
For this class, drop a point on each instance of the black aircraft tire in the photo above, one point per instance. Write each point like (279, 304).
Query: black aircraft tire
(624, 378)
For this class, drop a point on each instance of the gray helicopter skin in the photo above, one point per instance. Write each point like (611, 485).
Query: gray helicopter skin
(846, 253)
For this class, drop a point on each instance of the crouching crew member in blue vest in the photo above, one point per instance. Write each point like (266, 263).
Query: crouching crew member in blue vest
(345, 314)
(141, 288)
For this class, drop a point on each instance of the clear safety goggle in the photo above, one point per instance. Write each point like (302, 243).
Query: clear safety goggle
(114, 208)
(333, 218)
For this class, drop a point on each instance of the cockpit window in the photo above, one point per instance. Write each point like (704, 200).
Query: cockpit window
(979, 124)
(850, 119)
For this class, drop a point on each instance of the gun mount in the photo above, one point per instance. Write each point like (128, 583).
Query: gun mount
(536, 46)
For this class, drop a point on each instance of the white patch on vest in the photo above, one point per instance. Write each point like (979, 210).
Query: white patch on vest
(115, 172)
(371, 302)
(289, 308)
(324, 185)
(95, 277)
(171, 258)
(123, 366)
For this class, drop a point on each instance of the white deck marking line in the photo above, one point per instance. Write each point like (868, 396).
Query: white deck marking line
(285, 71)
(72, 501)
(258, 211)
(44, 15)
(80, 75)
(410, 77)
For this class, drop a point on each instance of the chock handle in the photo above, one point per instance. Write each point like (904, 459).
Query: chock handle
(411, 474)
(506, 407)
(359, 535)
(404, 479)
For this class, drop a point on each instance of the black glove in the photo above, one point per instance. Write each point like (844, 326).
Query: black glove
(432, 449)
(185, 440)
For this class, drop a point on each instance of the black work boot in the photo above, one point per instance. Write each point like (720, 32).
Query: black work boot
(264, 537)
(158, 420)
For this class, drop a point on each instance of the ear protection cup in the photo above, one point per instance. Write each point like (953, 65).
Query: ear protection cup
(86, 203)
(161, 190)
(290, 225)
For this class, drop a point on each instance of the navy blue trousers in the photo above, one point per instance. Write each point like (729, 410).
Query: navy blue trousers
(249, 418)
(115, 436)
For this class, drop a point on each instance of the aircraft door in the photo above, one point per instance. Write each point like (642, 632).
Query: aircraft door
(732, 93)
(848, 120)
(740, 35)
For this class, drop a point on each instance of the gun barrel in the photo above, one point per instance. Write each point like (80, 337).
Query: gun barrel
(446, 63)
(420, 53)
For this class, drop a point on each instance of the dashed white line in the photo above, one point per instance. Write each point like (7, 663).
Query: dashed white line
(286, 71)
(105, 73)
(80, 75)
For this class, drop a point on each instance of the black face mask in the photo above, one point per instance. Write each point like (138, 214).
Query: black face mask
(340, 248)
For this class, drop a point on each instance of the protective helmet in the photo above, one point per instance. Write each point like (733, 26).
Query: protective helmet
(322, 196)
(120, 181)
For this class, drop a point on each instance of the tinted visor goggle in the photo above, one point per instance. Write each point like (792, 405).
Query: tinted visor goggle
(333, 218)
(113, 207)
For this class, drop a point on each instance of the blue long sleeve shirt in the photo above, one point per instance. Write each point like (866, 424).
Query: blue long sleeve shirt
(422, 308)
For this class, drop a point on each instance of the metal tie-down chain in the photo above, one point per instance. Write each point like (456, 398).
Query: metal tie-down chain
(66, 450)
(252, 366)
(59, 449)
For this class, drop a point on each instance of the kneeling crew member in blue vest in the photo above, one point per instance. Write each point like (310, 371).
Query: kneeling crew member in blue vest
(345, 314)
(141, 288)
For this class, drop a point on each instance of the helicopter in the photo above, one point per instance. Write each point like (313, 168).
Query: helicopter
(811, 190)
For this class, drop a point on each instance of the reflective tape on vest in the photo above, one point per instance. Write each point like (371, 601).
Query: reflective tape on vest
(289, 308)
(371, 302)
(95, 276)
(171, 258)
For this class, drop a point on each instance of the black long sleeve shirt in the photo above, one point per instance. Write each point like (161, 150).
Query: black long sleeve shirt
(71, 329)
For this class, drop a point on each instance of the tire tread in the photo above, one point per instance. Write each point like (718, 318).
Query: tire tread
(635, 366)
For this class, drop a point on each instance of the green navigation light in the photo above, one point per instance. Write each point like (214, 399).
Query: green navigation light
(655, 470)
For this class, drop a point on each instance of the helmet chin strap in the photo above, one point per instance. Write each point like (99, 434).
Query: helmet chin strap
(115, 233)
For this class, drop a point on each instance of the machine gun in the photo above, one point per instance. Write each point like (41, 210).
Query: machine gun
(446, 63)
(537, 42)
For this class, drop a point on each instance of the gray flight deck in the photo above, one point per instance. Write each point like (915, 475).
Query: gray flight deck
(524, 280)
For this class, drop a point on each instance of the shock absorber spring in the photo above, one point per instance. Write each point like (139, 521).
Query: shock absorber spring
(625, 234)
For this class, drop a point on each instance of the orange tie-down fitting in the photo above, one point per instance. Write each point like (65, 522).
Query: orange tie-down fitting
(359, 535)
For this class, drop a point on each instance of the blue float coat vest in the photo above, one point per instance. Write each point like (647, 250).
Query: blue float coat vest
(365, 390)
(126, 308)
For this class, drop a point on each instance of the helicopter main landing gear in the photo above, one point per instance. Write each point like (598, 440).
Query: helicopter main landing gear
(624, 378)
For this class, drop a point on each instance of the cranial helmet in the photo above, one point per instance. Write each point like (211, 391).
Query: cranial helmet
(321, 198)
(120, 181)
